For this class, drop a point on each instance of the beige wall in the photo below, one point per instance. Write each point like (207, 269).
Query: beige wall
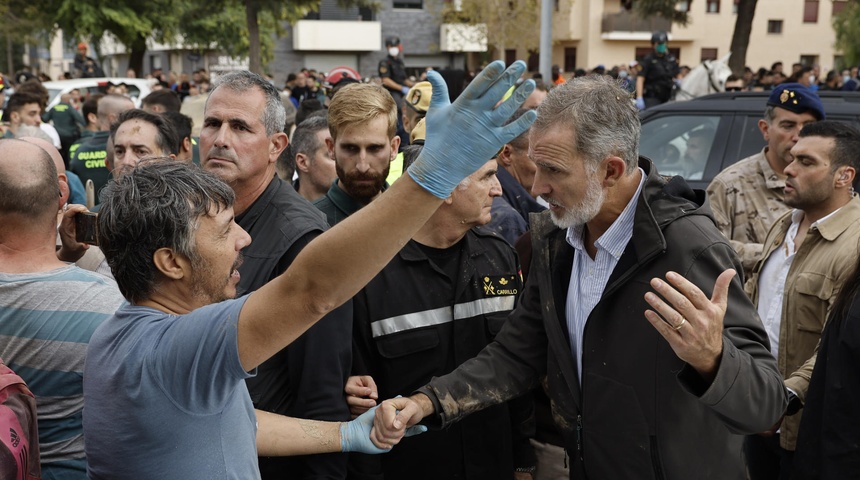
(577, 23)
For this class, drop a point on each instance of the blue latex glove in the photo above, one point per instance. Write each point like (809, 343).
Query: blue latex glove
(355, 435)
(640, 103)
(463, 136)
(404, 90)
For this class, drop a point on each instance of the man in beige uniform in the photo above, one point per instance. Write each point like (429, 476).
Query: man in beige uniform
(747, 197)
(808, 255)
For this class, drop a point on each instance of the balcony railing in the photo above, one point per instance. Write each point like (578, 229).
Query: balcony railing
(629, 22)
(326, 35)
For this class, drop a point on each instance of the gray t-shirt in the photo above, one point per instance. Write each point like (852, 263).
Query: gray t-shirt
(165, 396)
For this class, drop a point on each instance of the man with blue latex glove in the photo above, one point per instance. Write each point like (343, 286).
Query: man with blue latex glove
(187, 346)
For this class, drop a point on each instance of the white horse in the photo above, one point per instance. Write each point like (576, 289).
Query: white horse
(709, 77)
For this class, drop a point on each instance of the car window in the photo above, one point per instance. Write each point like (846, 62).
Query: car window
(52, 94)
(751, 140)
(679, 144)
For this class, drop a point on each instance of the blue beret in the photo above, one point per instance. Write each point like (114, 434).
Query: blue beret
(796, 98)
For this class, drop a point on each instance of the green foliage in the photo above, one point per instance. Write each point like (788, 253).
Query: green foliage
(847, 28)
(510, 23)
(129, 21)
(25, 21)
(202, 24)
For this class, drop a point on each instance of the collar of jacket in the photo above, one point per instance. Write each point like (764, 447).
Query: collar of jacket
(840, 221)
(247, 218)
(472, 247)
(343, 201)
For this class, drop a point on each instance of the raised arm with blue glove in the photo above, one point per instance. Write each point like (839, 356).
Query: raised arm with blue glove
(463, 135)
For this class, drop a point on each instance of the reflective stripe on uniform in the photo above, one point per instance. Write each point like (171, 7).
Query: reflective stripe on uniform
(438, 316)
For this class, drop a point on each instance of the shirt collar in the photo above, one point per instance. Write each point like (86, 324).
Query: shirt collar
(833, 224)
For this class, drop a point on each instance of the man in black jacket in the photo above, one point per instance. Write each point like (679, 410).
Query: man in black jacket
(665, 396)
(241, 139)
(456, 286)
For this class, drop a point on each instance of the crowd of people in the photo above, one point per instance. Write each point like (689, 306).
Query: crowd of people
(258, 295)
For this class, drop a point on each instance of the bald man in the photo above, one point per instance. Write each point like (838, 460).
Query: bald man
(48, 305)
(88, 159)
(69, 182)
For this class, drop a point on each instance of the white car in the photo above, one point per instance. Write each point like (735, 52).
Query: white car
(137, 88)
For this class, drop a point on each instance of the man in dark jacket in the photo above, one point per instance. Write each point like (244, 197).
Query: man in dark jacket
(632, 400)
(456, 285)
(655, 82)
(241, 139)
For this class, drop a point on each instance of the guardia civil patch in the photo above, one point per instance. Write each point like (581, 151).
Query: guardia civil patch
(496, 285)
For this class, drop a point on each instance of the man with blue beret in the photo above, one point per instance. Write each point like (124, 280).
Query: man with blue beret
(747, 197)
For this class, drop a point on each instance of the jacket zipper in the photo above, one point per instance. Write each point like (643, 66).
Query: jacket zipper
(579, 438)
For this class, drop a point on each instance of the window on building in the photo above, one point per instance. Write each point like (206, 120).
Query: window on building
(709, 54)
(683, 6)
(569, 59)
(510, 56)
(534, 62)
(409, 4)
(809, 60)
(712, 6)
(774, 26)
(810, 11)
(838, 6)
(735, 6)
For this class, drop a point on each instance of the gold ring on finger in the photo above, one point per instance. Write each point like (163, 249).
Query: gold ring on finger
(678, 327)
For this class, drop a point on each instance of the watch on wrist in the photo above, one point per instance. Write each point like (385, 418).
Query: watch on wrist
(794, 404)
(530, 470)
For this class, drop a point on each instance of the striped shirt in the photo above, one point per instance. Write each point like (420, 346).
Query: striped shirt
(46, 321)
(589, 276)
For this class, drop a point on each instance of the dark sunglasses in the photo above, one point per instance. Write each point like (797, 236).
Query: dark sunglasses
(733, 89)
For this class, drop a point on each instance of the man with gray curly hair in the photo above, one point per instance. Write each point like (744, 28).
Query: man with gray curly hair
(241, 140)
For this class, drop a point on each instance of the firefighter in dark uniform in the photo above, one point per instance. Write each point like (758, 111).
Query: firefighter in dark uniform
(392, 71)
(455, 286)
(656, 81)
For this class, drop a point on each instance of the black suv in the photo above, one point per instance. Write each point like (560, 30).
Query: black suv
(699, 138)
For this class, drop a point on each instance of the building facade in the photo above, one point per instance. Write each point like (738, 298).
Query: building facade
(587, 33)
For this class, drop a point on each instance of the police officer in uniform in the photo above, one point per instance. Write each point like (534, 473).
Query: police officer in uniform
(656, 80)
(392, 71)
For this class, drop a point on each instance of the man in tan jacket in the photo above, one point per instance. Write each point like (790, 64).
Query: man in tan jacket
(808, 254)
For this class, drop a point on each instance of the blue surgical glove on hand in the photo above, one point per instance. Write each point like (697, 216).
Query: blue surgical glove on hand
(404, 90)
(462, 136)
(640, 103)
(355, 435)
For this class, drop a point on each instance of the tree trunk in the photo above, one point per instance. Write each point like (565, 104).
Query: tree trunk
(137, 50)
(255, 63)
(10, 67)
(741, 36)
